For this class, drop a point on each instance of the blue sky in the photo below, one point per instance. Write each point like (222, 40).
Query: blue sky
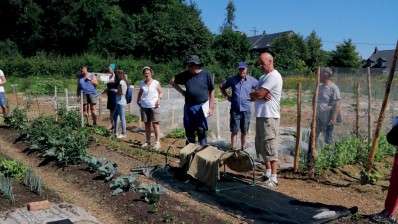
(367, 23)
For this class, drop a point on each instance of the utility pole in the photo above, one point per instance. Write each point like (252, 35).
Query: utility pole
(254, 31)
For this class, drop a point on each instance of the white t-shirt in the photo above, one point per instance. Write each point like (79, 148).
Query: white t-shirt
(272, 82)
(150, 94)
(1, 81)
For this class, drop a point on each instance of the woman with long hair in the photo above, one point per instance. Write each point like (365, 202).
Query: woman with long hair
(120, 92)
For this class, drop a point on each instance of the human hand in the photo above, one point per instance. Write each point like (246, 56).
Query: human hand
(210, 112)
(267, 97)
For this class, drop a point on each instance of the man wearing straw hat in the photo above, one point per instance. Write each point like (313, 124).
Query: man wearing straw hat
(199, 91)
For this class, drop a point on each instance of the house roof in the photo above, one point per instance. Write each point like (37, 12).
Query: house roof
(381, 59)
(264, 41)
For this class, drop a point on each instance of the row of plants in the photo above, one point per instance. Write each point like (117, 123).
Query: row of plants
(352, 150)
(11, 170)
(65, 143)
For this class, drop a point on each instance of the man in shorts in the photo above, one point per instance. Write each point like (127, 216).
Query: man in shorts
(242, 84)
(267, 106)
(3, 81)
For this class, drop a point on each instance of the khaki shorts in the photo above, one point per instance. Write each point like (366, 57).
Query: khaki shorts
(150, 114)
(265, 141)
(89, 98)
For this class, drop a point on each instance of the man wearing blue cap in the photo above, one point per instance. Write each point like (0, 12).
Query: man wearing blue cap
(242, 84)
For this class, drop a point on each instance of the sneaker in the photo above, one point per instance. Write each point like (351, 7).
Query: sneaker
(146, 144)
(157, 145)
(270, 183)
(264, 177)
(121, 136)
(382, 217)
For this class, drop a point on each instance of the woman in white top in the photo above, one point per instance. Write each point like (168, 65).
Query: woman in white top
(148, 100)
(120, 91)
(111, 103)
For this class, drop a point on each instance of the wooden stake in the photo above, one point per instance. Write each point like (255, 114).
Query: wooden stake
(313, 126)
(382, 111)
(298, 137)
(370, 112)
(357, 111)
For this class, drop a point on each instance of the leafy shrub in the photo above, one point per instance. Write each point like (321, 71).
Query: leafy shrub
(12, 169)
(18, 119)
(152, 194)
(123, 183)
(94, 163)
(177, 133)
(131, 118)
(108, 170)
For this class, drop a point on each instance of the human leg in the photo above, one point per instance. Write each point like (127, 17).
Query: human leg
(122, 118)
(189, 124)
(111, 122)
(244, 128)
(85, 111)
(271, 149)
(148, 131)
(234, 121)
(329, 134)
(115, 117)
(93, 108)
(3, 103)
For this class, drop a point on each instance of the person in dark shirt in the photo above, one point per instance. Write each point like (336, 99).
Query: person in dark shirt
(199, 88)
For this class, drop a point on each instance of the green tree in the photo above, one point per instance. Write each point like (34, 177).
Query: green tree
(229, 22)
(317, 57)
(174, 31)
(291, 53)
(345, 55)
(230, 47)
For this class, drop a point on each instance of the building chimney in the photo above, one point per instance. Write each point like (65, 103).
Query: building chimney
(376, 50)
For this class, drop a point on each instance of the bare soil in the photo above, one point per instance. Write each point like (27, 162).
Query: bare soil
(74, 184)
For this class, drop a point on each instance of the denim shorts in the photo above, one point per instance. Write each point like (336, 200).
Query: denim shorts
(2, 99)
(239, 120)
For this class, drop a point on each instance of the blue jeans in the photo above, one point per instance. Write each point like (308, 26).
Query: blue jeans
(119, 111)
(195, 121)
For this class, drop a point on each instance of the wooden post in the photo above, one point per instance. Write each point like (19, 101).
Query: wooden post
(370, 112)
(357, 111)
(81, 108)
(55, 103)
(382, 111)
(14, 90)
(66, 100)
(218, 119)
(313, 126)
(99, 107)
(298, 137)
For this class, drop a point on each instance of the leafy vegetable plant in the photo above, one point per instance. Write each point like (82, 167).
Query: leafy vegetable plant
(123, 183)
(108, 170)
(152, 194)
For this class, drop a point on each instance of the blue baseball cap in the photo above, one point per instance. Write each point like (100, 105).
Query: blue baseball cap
(113, 66)
(242, 65)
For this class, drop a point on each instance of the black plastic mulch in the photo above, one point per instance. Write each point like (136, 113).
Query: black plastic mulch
(256, 204)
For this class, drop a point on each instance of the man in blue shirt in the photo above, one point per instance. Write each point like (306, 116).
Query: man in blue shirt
(199, 88)
(242, 84)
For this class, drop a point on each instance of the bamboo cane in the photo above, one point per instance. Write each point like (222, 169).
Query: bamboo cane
(382, 111)
(298, 137)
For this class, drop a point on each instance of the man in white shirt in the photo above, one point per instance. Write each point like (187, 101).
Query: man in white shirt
(3, 81)
(267, 112)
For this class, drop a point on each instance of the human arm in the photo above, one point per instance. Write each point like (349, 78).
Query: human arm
(160, 95)
(336, 111)
(176, 86)
(3, 80)
(93, 79)
(261, 93)
(224, 93)
(139, 97)
(211, 102)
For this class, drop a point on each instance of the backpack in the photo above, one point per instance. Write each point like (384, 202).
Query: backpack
(129, 94)
(392, 136)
